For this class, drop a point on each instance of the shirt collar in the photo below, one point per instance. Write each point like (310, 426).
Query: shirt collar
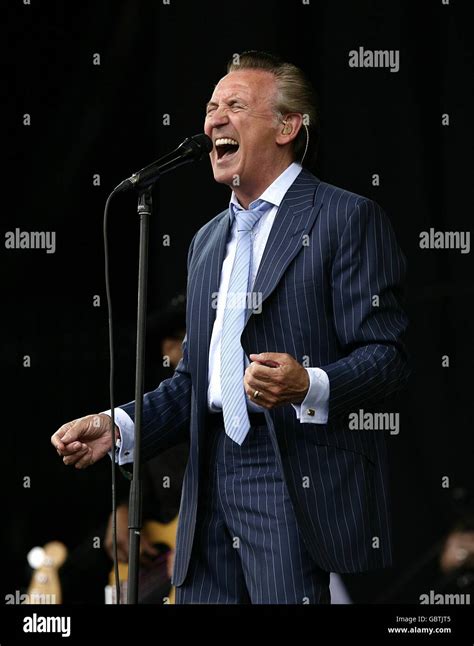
(274, 193)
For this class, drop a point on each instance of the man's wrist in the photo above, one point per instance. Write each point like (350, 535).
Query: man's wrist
(304, 390)
(116, 428)
(123, 435)
(314, 409)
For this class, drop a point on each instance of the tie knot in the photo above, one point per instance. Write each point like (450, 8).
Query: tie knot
(247, 218)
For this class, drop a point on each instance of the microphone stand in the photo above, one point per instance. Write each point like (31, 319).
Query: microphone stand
(190, 150)
(144, 210)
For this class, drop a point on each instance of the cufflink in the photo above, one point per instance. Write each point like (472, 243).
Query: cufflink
(311, 412)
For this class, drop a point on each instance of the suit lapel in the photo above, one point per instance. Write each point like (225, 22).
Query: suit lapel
(215, 252)
(205, 281)
(293, 220)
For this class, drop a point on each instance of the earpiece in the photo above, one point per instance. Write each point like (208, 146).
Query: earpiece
(307, 143)
(287, 130)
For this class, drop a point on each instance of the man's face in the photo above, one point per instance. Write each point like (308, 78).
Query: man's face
(243, 127)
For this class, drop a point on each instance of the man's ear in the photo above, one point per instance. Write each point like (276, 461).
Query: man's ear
(289, 128)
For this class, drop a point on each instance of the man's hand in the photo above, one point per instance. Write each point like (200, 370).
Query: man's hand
(147, 551)
(278, 377)
(84, 441)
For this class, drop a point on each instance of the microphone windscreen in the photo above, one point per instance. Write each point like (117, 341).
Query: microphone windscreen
(204, 141)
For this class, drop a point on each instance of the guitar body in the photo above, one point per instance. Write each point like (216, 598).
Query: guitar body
(153, 584)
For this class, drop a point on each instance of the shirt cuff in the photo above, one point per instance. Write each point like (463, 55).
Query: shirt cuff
(124, 445)
(314, 408)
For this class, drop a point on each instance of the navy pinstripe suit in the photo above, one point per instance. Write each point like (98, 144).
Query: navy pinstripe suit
(329, 253)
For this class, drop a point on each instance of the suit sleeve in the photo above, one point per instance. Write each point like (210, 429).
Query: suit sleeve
(367, 273)
(167, 409)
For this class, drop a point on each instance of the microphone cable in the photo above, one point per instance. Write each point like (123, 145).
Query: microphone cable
(112, 400)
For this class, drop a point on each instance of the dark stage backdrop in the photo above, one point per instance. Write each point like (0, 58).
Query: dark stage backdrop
(102, 88)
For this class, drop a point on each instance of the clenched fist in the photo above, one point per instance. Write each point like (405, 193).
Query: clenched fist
(275, 378)
(84, 441)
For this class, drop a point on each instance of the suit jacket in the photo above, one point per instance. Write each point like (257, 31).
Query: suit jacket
(329, 280)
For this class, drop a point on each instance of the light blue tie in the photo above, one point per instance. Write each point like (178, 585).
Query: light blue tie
(234, 403)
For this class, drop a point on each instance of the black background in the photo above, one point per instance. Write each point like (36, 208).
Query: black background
(108, 119)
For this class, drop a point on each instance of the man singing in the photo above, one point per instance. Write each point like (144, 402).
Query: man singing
(293, 323)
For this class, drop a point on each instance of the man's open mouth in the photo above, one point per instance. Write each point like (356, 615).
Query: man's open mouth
(225, 147)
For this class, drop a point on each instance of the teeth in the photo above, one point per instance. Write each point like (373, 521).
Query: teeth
(226, 141)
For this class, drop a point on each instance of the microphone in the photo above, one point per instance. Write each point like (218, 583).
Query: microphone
(190, 150)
